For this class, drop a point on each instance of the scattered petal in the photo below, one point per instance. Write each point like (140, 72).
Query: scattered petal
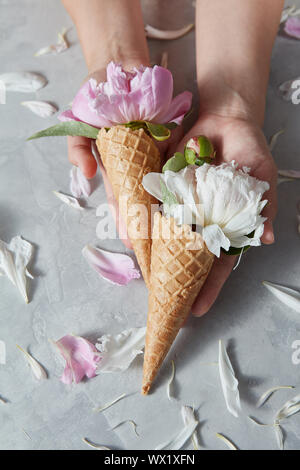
(164, 60)
(290, 408)
(265, 396)
(178, 441)
(2, 353)
(227, 441)
(69, 200)
(61, 46)
(116, 268)
(14, 258)
(292, 27)
(130, 421)
(111, 403)
(79, 184)
(289, 297)
(38, 370)
(229, 382)
(3, 401)
(41, 108)
(274, 138)
(23, 82)
(81, 358)
(154, 33)
(170, 381)
(95, 446)
(188, 417)
(117, 352)
(279, 436)
(289, 11)
(294, 174)
(287, 89)
(258, 423)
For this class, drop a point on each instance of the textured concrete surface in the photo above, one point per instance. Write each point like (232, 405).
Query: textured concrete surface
(66, 296)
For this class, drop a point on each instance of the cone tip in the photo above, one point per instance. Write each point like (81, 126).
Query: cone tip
(145, 389)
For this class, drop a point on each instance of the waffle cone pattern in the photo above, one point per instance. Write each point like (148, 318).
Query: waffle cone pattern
(128, 156)
(178, 273)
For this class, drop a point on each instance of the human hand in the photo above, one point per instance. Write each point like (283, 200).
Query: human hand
(242, 140)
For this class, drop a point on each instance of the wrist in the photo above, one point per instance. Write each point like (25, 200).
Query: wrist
(232, 97)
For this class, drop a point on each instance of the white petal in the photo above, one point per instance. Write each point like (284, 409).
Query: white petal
(117, 352)
(274, 138)
(279, 436)
(61, 46)
(79, 184)
(24, 82)
(170, 381)
(38, 371)
(188, 417)
(215, 239)
(111, 403)
(95, 446)
(229, 444)
(265, 396)
(69, 200)
(155, 33)
(229, 382)
(289, 297)
(41, 108)
(178, 441)
(14, 258)
(2, 352)
(290, 408)
(294, 174)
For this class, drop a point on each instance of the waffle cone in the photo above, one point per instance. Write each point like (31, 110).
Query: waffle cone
(180, 264)
(128, 156)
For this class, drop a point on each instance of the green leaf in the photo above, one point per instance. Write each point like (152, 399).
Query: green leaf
(169, 199)
(190, 156)
(171, 125)
(158, 131)
(201, 161)
(175, 163)
(73, 128)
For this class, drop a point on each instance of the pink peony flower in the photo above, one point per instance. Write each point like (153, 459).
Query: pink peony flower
(81, 358)
(146, 94)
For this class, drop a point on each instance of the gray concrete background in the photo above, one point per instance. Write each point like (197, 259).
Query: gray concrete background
(66, 296)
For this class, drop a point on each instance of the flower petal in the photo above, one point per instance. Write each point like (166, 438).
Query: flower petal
(292, 27)
(178, 108)
(81, 358)
(229, 382)
(116, 268)
(79, 184)
(117, 352)
(215, 239)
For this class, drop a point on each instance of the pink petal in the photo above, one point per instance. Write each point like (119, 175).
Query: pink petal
(67, 116)
(86, 107)
(292, 27)
(114, 267)
(178, 108)
(145, 94)
(81, 358)
(79, 184)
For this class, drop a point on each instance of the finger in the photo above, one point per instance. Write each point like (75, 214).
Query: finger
(220, 272)
(80, 154)
(270, 210)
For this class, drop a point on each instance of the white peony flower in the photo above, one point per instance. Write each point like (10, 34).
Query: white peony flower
(223, 201)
